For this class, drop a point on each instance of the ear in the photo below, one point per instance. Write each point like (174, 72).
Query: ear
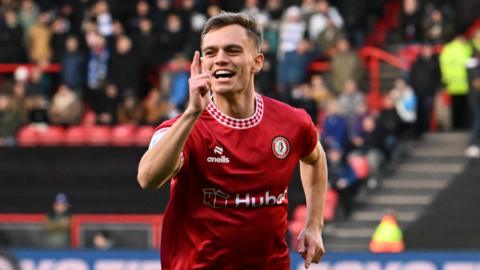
(258, 63)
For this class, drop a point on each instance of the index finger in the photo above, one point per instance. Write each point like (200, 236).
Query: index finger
(196, 67)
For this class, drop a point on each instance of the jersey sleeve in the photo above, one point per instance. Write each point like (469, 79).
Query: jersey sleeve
(160, 131)
(309, 134)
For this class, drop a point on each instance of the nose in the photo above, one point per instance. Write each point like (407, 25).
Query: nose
(221, 58)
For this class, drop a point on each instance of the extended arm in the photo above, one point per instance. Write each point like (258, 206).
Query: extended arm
(313, 172)
(162, 161)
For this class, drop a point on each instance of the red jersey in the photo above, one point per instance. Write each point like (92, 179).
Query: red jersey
(228, 202)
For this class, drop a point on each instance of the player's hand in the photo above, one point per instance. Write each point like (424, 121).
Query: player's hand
(199, 86)
(310, 245)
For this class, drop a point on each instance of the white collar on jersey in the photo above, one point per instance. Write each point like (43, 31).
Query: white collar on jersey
(238, 123)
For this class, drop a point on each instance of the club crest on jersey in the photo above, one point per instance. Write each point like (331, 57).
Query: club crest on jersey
(280, 147)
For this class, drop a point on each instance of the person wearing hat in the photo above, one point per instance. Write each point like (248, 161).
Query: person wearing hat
(57, 223)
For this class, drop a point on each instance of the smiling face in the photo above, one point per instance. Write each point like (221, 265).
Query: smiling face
(232, 58)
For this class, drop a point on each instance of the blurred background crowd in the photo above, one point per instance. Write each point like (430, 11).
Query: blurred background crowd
(126, 63)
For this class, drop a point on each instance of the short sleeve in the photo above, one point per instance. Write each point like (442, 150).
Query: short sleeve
(160, 132)
(309, 134)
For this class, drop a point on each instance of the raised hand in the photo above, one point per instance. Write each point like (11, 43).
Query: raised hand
(199, 86)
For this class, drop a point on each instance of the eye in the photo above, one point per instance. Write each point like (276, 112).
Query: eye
(234, 51)
(208, 53)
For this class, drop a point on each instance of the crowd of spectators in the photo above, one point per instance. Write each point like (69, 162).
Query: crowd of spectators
(125, 62)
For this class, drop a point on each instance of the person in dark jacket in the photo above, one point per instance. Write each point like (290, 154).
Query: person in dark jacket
(425, 80)
(73, 66)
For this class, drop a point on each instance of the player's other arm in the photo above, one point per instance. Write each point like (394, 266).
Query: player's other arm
(313, 173)
(162, 160)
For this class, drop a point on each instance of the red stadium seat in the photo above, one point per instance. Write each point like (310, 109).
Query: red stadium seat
(360, 166)
(123, 135)
(52, 136)
(28, 136)
(98, 135)
(331, 202)
(143, 135)
(75, 136)
(296, 225)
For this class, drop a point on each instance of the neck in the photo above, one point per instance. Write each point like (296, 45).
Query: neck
(236, 105)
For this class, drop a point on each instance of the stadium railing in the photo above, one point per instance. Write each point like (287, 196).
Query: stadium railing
(128, 231)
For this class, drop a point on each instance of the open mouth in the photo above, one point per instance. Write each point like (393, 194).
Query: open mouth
(223, 74)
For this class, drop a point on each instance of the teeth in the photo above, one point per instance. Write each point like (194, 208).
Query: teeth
(223, 72)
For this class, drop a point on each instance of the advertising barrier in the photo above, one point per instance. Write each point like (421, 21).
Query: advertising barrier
(150, 260)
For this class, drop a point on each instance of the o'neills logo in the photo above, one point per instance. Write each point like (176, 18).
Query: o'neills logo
(216, 198)
(218, 150)
(222, 159)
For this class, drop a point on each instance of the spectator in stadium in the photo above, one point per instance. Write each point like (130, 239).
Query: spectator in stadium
(37, 95)
(145, 42)
(473, 65)
(175, 81)
(39, 38)
(193, 40)
(60, 29)
(39, 82)
(390, 122)
(185, 11)
(302, 98)
(335, 126)
(320, 92)
(425, 80)
(11, 39)
(369, 142)
(351, 100)
(292, 49)
(142, 12)
(103, 18)
(97, 66)
(453, 60)
(107, 105)
(57, 223)
(226, 120)
(163, 8)
(73, 65)
(437, 29)
(411, 21)
(102, 240)
(318, 21)
(405, 102)
(292, 69)
(251, 8)
(327, 39)
(274, 10)
(345, 65)
(341, 178)
(308, 8)
(171, 38)
(155, 109)
(9, 116)
(355, 14)
(129, 109)
(66, 107)
(27, 17)
(291, 32)
(124, 67)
